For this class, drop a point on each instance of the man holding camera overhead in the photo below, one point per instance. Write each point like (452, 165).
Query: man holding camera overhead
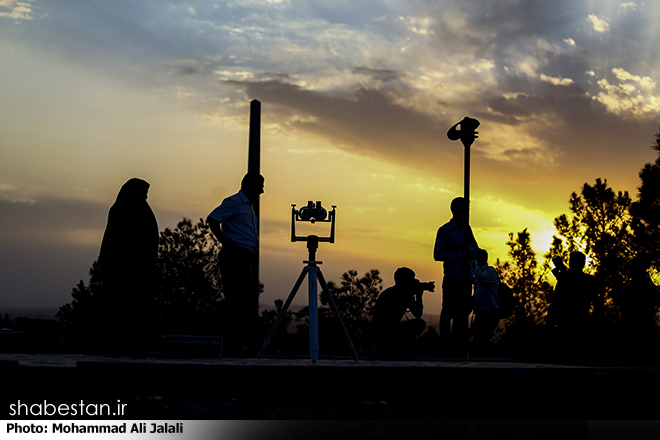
(234, 224)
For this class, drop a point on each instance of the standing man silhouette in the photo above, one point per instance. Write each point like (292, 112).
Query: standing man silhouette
(576, 293)
(456, 285)
(234, 225)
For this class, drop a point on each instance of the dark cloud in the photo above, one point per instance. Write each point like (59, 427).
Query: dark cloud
(127, 40)
(40, 264)
(40, 256)
(368, 120)
(46, 216)
(503, 31)
(384, 75)
(186, 68)
(577, 139)
(369, 124)
(517, 20)
(582, 126)
(273, 76)
(41, 273)
(498, 117)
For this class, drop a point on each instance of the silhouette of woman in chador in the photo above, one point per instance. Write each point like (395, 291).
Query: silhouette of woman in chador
(127, 262)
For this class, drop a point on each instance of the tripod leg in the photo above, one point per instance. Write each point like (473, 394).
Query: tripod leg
(313, 315)
(285, 307)
(347, 338)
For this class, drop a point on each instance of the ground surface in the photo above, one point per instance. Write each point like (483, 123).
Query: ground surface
(392, 398)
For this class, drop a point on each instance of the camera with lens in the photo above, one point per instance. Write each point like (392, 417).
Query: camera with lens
(428, 286)
(560, 267)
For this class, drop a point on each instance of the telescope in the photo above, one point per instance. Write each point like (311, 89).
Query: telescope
(312, 213)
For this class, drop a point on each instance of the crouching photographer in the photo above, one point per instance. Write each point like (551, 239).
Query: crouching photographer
(393, 335)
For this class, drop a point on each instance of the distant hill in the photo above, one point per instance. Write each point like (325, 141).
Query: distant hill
(49, 313)
(29, 312)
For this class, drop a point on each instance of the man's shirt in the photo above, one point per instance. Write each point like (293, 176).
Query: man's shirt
(239, 223)
(449, 247)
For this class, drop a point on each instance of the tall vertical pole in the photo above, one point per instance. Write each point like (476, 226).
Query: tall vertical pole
(467, 135)
(466, 181)
(254, 165)
(466, 226)
(254, 146)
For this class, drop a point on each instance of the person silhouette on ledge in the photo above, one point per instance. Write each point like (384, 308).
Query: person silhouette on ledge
(486, 303)
(575, 294)
(392, 335)
(456, 284)
(638, 334)
(638, 300)
(575, 297)
(127, 263)
(234, 225)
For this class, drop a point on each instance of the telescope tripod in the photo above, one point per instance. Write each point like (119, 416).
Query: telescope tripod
(314, 274)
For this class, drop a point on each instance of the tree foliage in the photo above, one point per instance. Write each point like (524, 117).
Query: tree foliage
(282, 340)
(188, 294)
(189, 291)
(601, 227)
(6, 322)
(608, 227)
(531, 289)
(355, 298)
(646, 212)
(79, 318)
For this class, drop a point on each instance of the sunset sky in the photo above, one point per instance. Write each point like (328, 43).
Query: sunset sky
(357, 97)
